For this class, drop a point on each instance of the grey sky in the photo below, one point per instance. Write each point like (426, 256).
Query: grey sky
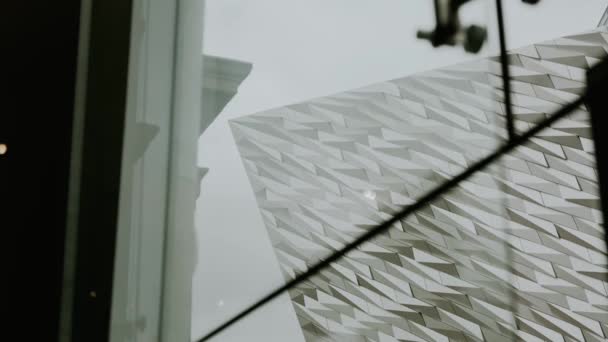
(301, 50)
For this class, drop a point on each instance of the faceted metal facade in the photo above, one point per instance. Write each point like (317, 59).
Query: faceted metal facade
(517, 251)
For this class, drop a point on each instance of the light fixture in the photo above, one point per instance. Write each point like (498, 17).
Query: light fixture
(3, 149)
(449, 31)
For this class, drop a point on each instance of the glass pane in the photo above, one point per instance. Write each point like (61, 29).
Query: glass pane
(279, 178)
(288, 186)
(321, 119)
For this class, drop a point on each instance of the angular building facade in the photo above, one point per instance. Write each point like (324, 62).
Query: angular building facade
(515, 252)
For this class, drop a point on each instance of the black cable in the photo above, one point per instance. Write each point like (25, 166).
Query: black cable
(405, 212)
(504, 63)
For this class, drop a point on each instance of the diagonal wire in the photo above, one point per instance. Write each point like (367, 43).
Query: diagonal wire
(404, 213)
(504, 64)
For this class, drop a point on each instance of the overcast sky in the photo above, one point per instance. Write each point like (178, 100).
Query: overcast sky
(301, 49)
